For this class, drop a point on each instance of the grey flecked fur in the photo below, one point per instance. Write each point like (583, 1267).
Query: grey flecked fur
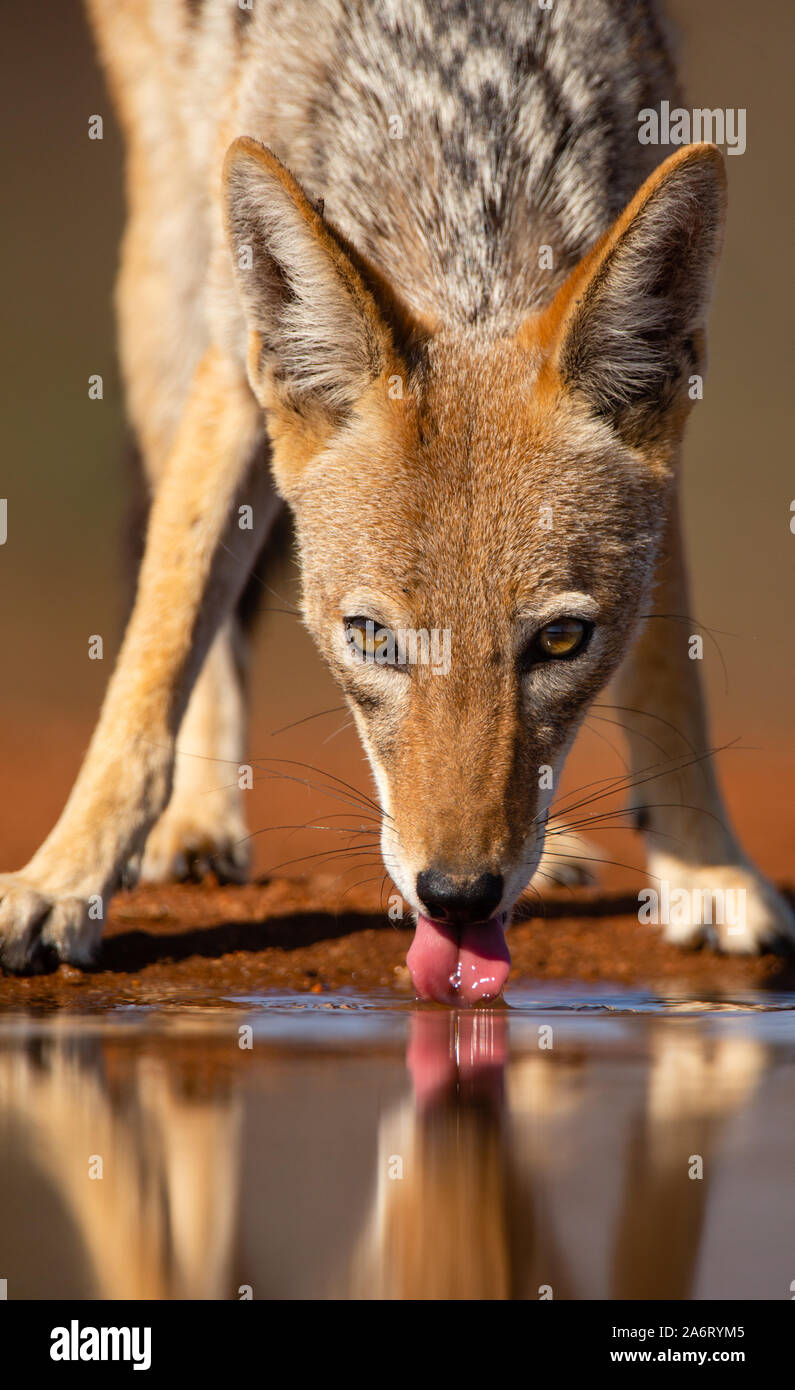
(519, 129)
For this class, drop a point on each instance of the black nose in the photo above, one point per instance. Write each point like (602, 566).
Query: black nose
(459, 901)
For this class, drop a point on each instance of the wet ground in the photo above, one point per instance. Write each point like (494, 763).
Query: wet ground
(185, 944)
(245, 1100)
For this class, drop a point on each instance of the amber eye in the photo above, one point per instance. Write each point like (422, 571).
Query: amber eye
(559, 640)
(370, 641)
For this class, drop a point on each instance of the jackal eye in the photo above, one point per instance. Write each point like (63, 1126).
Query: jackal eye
(369, 641)
(558, 641)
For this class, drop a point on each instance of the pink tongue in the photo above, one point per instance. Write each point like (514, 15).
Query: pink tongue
(463, 971)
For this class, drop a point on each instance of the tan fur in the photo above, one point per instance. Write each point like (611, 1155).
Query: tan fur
(193, 550)
(202, 830)
(246, 312)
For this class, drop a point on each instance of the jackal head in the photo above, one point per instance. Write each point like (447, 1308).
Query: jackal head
(478, 514)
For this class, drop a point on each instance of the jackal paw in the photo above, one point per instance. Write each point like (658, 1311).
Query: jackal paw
(730, 906)
(184, 845)
(39, 928)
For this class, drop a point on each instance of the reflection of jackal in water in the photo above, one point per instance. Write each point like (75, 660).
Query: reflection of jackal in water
(460, 306)
(134, 1167)
(476, 1208)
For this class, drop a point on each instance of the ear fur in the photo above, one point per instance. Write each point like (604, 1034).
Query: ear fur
(629, 322)
(322, 335)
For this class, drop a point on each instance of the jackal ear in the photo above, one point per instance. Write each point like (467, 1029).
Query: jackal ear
(322, 336)
(635, 309)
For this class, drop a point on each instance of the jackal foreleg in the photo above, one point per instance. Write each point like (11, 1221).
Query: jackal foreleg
(698, 868)
(195, 565)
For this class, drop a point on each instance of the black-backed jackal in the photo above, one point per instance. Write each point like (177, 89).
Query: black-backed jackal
(409, 260)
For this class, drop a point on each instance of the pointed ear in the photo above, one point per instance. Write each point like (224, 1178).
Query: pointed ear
(629, 323)
(319, 336)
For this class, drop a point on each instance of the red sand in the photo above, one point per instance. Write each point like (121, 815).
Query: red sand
(189, 944)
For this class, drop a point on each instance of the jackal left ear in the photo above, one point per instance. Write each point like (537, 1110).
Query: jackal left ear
(322, 336)
(630, 320)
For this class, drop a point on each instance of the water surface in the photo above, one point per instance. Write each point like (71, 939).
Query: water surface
(581, 1142)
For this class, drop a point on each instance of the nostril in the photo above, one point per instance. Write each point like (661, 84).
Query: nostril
(459, 900)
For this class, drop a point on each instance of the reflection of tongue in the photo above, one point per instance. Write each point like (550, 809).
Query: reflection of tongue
(459, 970)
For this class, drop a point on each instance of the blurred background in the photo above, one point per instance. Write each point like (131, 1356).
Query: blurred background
(62, 472)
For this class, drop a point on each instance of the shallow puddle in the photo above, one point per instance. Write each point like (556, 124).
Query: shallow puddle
(580, 1142)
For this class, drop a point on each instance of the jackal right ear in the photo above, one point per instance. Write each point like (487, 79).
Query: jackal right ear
(323, 329)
